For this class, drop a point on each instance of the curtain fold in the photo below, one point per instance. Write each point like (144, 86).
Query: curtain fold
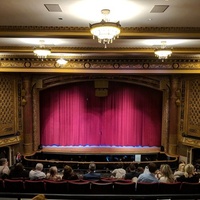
(71, 115)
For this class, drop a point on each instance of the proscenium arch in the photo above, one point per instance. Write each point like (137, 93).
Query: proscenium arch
(160, 83)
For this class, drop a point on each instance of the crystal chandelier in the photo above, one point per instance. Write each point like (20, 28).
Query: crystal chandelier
(163, 53)
(41, 51)
(105, 31)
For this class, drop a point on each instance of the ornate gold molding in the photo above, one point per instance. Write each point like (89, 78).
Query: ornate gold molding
(9, 141)
(191, 142)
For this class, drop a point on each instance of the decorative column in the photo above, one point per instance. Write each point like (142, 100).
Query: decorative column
(27, 115)
(174, 103)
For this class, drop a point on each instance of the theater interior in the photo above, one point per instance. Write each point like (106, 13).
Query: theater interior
(98, 79)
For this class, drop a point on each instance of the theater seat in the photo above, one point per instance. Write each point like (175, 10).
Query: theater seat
(56, 187)
(169, 188)
(79, 187)
(13, 185)
(36, 186)
(124, 188)
(101, 187)
(190, 188)
(147, 188)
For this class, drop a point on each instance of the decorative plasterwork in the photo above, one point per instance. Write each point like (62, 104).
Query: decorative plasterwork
(95, 65)
(191, 142)
(9, 141)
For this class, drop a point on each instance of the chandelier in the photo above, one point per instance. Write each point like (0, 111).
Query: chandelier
(163, 53)
(105, 31)
(41, 51)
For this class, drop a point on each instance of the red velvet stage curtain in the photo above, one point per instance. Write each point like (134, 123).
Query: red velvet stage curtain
(72, 115)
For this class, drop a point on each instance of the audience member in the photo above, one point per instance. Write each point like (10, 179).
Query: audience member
(119, 172)
(53, 174)
(37, 173)
(148, 175)
(68, 173)
(166, 174)
(180, 171)
(4, 169)
(189, 175)
(131, 172)
(39, 197)
(92, 175)
(18, 172)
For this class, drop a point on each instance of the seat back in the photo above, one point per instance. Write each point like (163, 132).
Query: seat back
(56, 187)
(169, 188)
(147, 188)
(124, 188)
(79, 187)
(1, 185)
(190, 188)
(101, 187)
(13, 185)
(36, 186)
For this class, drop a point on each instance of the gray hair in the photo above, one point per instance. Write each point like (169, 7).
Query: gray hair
(92, 166)
(39, 166)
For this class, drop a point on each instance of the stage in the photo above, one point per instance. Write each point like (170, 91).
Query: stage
(100, 150)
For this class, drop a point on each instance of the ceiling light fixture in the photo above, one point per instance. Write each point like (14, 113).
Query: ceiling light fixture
(163, 53)
(62, 61)
(105, 31)
(41, 51)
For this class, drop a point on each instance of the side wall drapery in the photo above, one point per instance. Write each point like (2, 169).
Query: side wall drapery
(129, 116)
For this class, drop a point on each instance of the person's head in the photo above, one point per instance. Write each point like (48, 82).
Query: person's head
(181, 167)
(165, 170)
(67, 170)
(19, 167)
(152, 167)
(3, 161)
(132, 167)
(39, 197)
(39, 166)
(53, 170)
(92, 167)
(189, 170)
(120, 165)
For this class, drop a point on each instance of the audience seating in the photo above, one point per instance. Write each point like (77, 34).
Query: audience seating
(169, 188)
(34, 186)
(124, 187)
(13, 185)
(147, 188)
(60, 187)
(190, 188)
(97, 187)
(80, 187)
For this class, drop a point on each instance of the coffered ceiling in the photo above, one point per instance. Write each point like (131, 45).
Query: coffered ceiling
(63, 25)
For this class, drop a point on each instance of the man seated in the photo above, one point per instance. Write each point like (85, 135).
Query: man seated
(92, 175)
(37, 173)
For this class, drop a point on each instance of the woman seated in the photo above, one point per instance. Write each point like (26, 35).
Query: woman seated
(4, 169)
(166, 174)
(53, 174)
(68, 173)
(189, 175)
(18, 172)
(180, 171)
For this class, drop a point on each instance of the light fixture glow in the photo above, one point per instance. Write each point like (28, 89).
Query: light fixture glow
(163, 53)
(41, 51)
(62, 61)
(105, 31)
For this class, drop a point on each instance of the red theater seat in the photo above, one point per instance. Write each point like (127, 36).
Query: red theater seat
(14, 185)
(98, 187)
(56, 187)
(36, 186)
(79, 187)
(124, 187)
(147, 188)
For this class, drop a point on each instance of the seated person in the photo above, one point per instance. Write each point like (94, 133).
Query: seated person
(166, 174)
(148, 176)
(189, 175)
(92, 175)
(4, 169)
(53, 174)
(180, 171)
(131, 172)
(18, 172)
(68, 173)
(119, 172)
(37, 173)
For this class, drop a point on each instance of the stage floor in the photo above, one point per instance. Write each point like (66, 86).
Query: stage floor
(101, 150)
